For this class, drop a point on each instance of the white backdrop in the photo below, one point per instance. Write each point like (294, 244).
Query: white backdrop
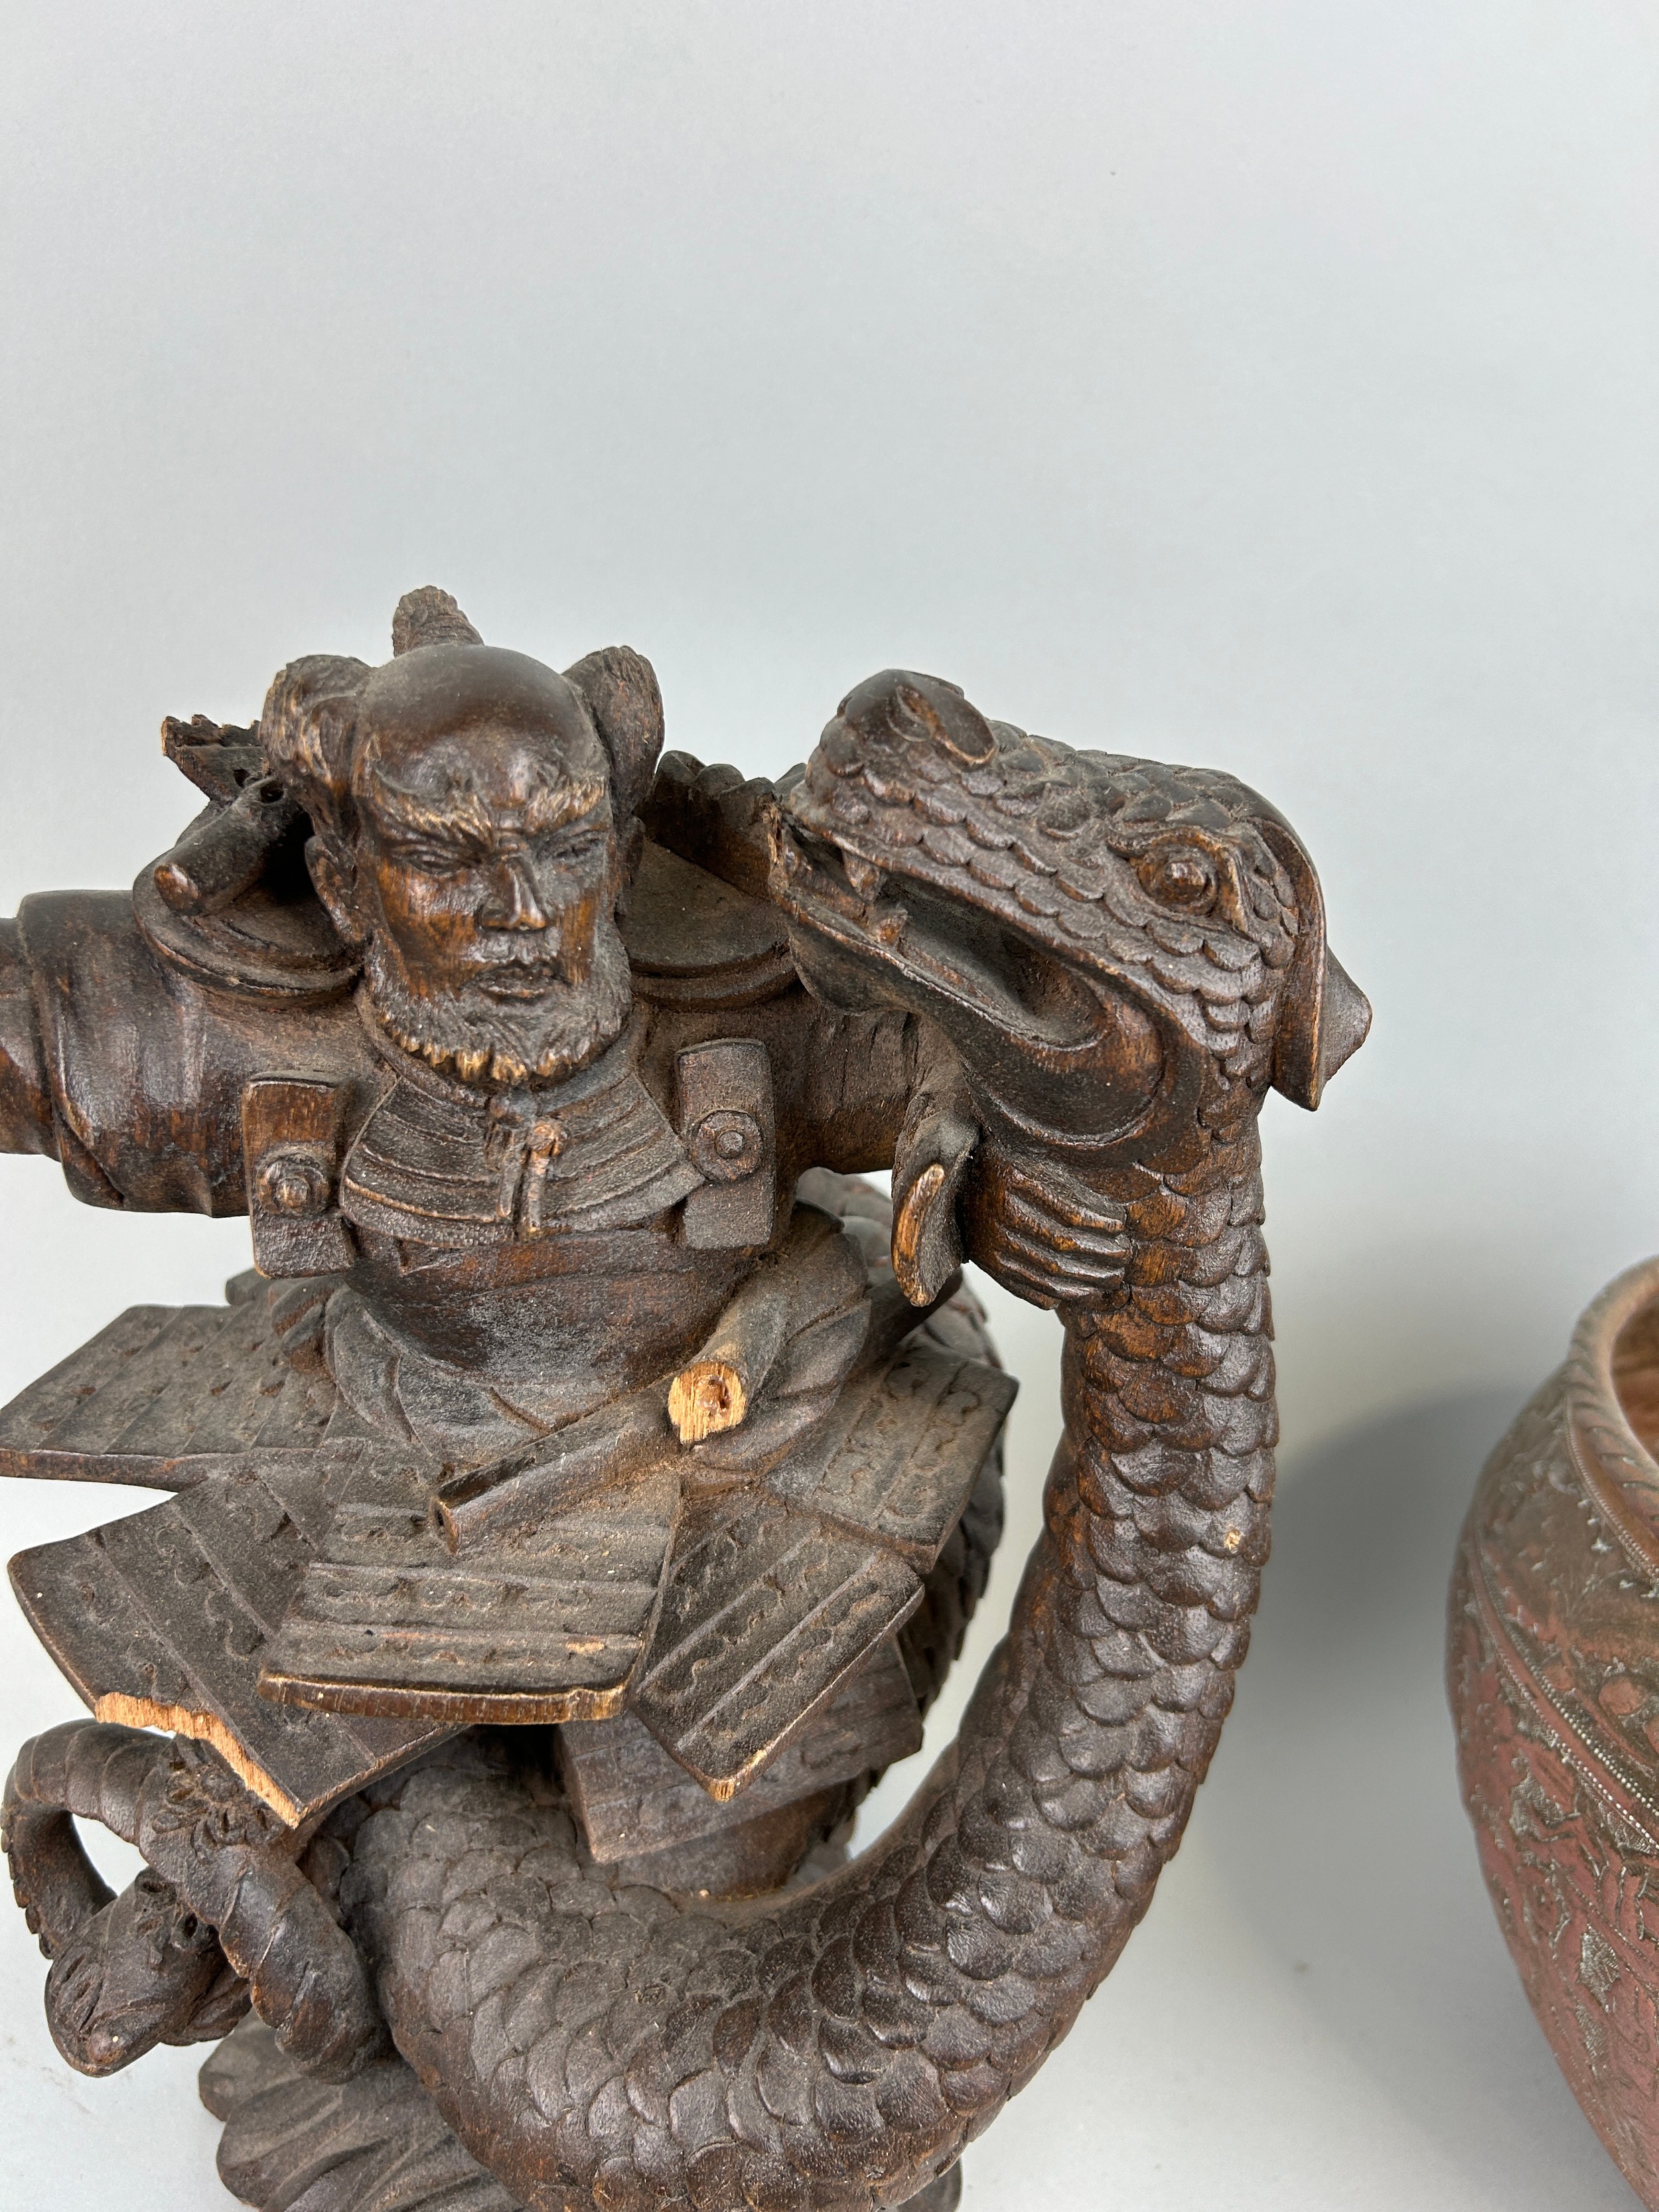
(1250, 381)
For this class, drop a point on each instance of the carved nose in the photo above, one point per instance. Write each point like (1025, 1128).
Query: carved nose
(513, 903)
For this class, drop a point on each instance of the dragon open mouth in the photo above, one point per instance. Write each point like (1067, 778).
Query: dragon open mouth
(1120, 1055)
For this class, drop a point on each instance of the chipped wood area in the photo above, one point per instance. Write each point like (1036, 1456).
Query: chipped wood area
(201, 1728)
(706, 1398)
(954, 941)
(910, 1225)
(163, 1619)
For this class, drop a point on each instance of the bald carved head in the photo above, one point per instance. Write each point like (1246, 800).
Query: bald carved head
(468, 840)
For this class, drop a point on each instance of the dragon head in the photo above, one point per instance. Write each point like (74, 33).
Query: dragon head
(1117, 948)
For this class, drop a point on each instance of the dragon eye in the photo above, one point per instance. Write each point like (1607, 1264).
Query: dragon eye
(1181, 876)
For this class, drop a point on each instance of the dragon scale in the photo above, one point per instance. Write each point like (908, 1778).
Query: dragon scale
(842, 2045)
(1113, 962)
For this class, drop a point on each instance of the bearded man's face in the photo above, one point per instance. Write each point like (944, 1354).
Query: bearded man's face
(487, 870)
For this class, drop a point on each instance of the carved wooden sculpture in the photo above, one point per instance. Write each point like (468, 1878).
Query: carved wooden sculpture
(1554, 1668)
(588, 1491)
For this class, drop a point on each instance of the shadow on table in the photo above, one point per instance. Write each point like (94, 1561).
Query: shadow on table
(1333, 1804)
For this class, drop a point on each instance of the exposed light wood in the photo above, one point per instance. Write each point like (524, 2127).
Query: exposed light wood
(705, 1398)
(599, 1397)
(201, 1728)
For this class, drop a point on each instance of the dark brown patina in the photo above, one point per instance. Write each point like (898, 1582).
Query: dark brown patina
(587, 1491)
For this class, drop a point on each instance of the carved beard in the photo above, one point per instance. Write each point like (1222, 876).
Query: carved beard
(470, 1036)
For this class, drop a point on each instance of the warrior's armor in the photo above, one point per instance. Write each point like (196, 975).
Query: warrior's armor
(452, 1379)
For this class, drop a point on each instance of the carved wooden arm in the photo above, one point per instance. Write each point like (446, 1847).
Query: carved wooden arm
(1123, 958)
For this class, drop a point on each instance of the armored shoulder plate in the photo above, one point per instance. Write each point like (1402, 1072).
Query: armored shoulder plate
(695, 940)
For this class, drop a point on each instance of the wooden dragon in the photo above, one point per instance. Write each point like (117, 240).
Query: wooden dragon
(1098, 967)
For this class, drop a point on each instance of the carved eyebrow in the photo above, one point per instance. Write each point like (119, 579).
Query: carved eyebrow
(559, 806)
(461, 817)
